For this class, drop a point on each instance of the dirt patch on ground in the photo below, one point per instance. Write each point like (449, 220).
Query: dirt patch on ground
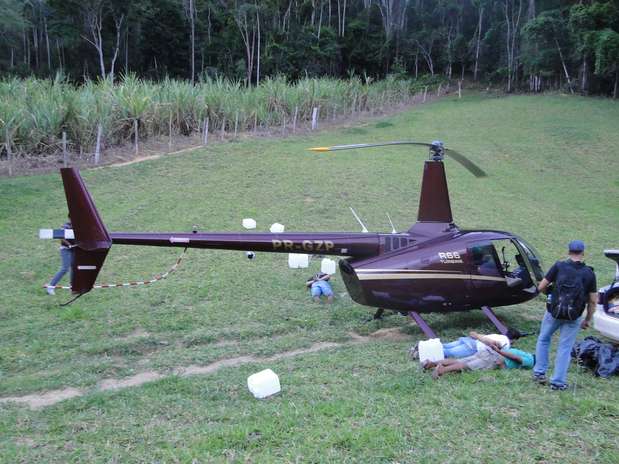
(137, 333)
(391, 334)
(42, 400)
(133, 381)
(25, 441)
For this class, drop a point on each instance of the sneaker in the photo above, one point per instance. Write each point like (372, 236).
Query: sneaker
(540, 379)
(555, 387)
(50, 291)
(414, 351)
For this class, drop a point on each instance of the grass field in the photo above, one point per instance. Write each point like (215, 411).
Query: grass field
(552, 176)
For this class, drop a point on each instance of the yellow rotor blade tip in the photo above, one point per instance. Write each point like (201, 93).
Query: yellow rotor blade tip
(320, 149)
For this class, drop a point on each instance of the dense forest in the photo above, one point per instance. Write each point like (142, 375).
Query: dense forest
(527, 45)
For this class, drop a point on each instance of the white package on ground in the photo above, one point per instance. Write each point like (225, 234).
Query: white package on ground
(431, 350)
(277, 228)
(327, 266)
(249, 223)
(298, 260)
(46, 233)
(264, 383)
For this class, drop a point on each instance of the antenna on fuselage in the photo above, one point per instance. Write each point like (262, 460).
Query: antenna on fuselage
(393, 231)
(363, 228)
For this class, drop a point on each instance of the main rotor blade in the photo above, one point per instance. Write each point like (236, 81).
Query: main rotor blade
(459, 157)
(466, 163)
(367, 145)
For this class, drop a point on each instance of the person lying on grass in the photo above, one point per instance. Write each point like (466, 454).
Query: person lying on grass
(493, 358)
(474, 343)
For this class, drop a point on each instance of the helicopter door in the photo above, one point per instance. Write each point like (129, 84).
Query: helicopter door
(513, 264)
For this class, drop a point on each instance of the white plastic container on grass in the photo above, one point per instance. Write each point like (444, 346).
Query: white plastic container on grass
(431, 350)
(298, 260)
(277, 228)
(327, 266)
(263, 384)
(249, 223)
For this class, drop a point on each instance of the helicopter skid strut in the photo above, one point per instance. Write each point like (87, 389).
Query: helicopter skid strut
(502, 328)
(423, 325)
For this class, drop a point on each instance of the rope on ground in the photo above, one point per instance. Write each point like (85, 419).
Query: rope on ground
(131, 283)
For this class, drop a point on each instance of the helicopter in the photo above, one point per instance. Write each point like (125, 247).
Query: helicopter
(433, 267)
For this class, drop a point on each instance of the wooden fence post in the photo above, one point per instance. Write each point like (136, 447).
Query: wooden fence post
(9, 153)
(294, 120)
(223, 128)
(438, 92)
(256, 121)
(236, 123)
(459, 89)
(135, 132)
(65, 162)
(425, 93)
(205, 133)
(315, 118)
(98, 144)
(170, 132)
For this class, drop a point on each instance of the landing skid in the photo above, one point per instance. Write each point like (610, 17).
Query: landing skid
(487, 310)
(502, 328)
(378, 315)
(423, 325)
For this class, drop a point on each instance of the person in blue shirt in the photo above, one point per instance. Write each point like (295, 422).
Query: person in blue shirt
(319, 285)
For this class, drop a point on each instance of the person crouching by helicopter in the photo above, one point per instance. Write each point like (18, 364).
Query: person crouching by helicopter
(492, 358)
(66, 259)
(318, 286)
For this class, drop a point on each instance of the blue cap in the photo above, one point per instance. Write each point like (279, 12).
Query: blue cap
(576, 246)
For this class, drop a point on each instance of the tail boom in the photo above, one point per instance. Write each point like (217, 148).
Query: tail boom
(343, 244)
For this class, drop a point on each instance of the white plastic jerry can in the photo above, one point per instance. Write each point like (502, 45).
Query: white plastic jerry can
(431, 350)
(277, 228)
(249, 223)
(298, 260)
(263, 384)
(327, 266)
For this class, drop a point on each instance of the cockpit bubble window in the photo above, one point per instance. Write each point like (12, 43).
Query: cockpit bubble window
(513, 264)
(485, 260)
(533, 257)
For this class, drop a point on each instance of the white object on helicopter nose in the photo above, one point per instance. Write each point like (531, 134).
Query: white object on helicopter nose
(327, 266)
(263, 384)
(277, 228)
(249, 223)
(298, 260)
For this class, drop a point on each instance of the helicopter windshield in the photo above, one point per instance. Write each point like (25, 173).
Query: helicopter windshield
(531, 256)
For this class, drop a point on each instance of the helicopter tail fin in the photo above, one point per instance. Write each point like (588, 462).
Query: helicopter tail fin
(92, 241)
(434, 205)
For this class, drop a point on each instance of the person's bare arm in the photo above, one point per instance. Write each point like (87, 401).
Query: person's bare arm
(543, 285)
(508, 355)
(590, 310)
(484, 339)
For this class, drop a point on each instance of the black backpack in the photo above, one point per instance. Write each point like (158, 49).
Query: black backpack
(569, 297)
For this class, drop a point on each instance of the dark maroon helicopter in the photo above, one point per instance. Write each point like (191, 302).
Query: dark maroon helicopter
(432, 267)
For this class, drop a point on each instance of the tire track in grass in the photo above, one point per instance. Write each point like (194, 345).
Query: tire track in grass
(49, 398)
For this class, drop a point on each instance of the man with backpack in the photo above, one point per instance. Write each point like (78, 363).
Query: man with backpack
(573, 288)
